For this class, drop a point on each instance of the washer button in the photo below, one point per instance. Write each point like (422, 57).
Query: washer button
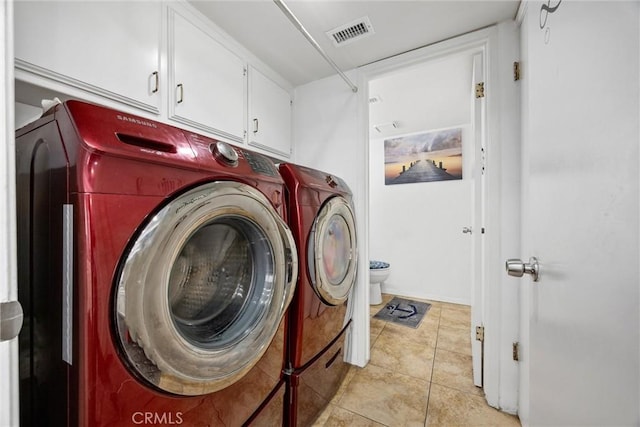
(225, 153)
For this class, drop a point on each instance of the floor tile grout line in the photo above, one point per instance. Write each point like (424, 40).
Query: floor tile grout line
(458, 390)
(359, 415)
(432, 405)
(438, 326)
(433, 364)
(371, 344)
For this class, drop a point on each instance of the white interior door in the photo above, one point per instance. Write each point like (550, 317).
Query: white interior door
(478, 106)
(579, 330)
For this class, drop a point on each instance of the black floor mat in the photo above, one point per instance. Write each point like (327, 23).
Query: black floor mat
(404, 312)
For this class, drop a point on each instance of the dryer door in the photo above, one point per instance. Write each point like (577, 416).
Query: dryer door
(203, 288)
(332, 252)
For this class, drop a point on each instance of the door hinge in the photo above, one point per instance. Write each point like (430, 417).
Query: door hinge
(516, 351)
(516, 71)
(480, 333)
(479, 90)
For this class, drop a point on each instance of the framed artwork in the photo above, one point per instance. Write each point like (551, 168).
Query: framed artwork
(423, 157)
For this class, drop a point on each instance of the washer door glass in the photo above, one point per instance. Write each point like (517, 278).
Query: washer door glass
(332, 251)
(204, 287)
(221, 283)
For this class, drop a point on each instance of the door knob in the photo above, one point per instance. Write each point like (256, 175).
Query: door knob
(466, 230)
(10, 320)
(517, 268)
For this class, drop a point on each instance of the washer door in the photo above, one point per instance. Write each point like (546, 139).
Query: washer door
(204, 287)
(332, 252)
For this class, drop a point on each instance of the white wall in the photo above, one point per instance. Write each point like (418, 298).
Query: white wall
(326, 130)
(417, 228)
(327, 135)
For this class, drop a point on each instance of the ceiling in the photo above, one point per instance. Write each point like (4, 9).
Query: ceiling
(398, 26)
(427, 96)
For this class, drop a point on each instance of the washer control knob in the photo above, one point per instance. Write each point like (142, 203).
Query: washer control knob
(224, 153)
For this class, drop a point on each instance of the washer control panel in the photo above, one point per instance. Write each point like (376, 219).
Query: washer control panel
(260, 164)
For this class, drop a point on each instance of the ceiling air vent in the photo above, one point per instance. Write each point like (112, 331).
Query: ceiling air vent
(351, 32)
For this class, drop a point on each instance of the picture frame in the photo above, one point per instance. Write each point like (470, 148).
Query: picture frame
(424, 157)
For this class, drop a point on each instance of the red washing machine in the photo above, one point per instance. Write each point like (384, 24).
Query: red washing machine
(323, 225)
(155, 271)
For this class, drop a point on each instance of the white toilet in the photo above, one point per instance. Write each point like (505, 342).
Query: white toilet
(378, 272)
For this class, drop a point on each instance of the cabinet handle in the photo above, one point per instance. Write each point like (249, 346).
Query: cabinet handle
(156, 80)
(255, 125)
(181, 97)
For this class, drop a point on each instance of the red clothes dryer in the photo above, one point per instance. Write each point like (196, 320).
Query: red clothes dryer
(155, 271)
(323, 225)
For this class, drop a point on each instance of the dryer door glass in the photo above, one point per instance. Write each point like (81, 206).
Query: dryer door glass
(332, 251)
(204, 288)
(336, 249)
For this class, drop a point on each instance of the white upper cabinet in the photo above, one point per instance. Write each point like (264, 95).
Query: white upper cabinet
(163, 58)
(108, 48)
(269, 114)
(208, 88)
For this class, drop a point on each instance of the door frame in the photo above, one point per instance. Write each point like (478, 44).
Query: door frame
(478, 195)
(500, 374)
(9, 395)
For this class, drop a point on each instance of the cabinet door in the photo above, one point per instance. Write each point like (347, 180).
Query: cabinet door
(209, 81)
(108, 48)
(269, 114)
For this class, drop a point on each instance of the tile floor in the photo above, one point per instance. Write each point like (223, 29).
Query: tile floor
(416, 377)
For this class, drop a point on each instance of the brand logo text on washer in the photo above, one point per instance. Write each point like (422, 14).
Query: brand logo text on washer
(136, 121)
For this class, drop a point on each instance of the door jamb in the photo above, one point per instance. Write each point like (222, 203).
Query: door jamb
(484, 40)
(9, 395)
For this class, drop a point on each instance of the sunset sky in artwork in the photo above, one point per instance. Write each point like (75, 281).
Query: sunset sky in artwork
(439, 146)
